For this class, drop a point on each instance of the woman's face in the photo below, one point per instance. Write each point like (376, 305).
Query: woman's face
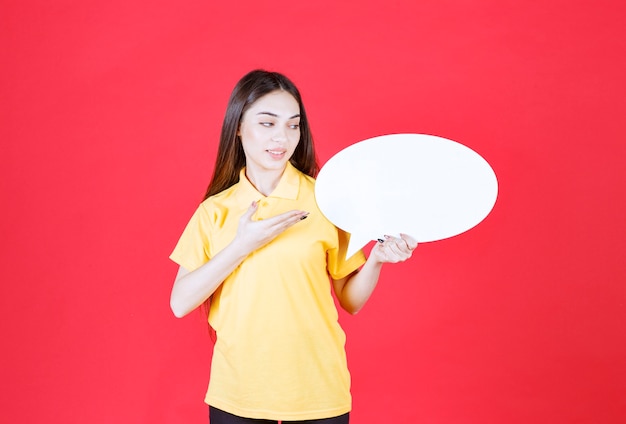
(270, 131)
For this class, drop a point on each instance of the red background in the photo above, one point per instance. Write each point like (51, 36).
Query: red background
(110, 117)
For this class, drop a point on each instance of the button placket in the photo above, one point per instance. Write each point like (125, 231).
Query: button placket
(262, 210)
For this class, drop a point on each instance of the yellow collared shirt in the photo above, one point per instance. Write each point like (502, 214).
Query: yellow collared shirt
(280, 350)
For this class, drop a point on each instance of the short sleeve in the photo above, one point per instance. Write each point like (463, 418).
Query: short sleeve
(192, 249)
(338, 265)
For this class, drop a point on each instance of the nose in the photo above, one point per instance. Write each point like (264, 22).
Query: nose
(280, 134)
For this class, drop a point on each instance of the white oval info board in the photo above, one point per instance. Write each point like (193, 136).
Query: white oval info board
(422, 185)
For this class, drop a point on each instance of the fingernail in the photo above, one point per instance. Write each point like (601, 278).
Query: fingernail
(303, 217)
(381, 240)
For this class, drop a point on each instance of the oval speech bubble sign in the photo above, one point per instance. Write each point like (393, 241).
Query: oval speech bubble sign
(428, 187)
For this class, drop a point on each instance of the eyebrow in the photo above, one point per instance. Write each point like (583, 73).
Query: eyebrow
(297, 115)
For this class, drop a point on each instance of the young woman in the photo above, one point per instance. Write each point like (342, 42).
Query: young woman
(260, 253)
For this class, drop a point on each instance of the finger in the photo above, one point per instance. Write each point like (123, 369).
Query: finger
(286, 219)
(396, 241)
(401, 244)
(397, 249)
(251, 210)
(410, 241)
(386, 254)
(283, 225)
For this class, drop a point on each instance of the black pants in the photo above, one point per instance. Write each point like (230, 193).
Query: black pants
(217, 416)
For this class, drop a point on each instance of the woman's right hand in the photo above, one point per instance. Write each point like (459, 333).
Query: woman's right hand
(252, 235)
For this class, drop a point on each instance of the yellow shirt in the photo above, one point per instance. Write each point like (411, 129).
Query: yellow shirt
(280, 350)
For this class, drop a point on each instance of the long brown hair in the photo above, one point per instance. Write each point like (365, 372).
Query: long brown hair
(230, 156)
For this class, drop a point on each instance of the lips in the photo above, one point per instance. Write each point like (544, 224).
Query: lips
(276, 153)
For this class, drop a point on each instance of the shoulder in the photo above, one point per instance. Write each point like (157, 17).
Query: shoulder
(212, 208)
(307, 179)
(307, 182)
(323, 228)
(224, 196)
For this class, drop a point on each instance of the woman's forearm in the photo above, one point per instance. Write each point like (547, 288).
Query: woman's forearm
(191, 289)
(357, 288)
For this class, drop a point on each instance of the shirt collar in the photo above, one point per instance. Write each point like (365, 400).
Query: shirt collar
(288, 187)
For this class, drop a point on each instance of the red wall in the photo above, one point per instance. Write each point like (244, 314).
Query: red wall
(110, 114)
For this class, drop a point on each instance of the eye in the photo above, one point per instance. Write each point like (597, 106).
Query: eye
(267, 124)
(294, 126)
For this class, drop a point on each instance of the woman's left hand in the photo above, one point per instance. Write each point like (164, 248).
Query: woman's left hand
(394, 249)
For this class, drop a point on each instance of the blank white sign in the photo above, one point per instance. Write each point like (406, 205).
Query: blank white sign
(428, 187)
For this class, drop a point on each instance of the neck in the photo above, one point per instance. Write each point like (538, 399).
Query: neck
(265, 181)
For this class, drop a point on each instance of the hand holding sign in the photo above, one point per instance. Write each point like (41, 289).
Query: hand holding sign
(428, 187)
